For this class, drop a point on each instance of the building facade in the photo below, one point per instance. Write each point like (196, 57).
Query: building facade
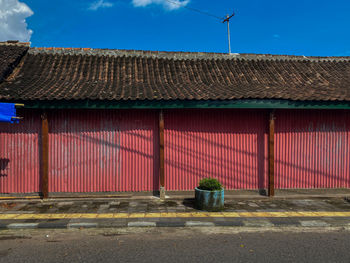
(106, 121)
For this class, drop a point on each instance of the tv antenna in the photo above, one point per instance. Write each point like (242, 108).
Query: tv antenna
(224, 20)
(227, 20)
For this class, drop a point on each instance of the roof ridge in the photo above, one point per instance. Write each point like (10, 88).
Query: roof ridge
(14, 43)
(178, 55)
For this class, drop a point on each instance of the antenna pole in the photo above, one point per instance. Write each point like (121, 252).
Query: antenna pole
(228, 34)
(228, 17)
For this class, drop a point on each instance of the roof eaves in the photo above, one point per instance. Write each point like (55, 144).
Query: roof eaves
(186, 104)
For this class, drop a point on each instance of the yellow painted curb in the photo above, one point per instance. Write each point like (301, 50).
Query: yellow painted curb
(136, 215)
(5, 216)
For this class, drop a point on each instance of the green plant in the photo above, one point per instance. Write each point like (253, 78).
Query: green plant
(209, 184)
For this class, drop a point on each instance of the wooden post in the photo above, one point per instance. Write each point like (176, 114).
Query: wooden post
(45, 155)
(161, 156)
(271, 191)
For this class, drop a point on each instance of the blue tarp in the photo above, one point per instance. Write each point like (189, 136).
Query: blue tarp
(7, 111)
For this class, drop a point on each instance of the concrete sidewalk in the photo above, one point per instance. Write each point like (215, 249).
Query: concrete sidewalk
(180, 195)
(72, 213)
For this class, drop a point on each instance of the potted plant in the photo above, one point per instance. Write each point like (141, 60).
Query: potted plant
(209, 195)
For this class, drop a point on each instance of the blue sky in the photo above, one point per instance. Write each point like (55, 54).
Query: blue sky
(297, 27)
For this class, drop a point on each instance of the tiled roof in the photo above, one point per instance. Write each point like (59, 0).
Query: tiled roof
(10, 54)
(96, 74)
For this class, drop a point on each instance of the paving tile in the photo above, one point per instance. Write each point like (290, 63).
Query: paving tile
(83, 225)
(229, 223)
(17, 225)
(172, 219)
(313, 223)
(202, 219)
(170, 224)
(105, 223)
(285, 221)
(252, 222)
(336, 221)
(141, 224)
(198, 223)
(4, 223)
(53, 224)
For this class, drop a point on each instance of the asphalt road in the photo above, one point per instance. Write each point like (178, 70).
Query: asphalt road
(174, 245)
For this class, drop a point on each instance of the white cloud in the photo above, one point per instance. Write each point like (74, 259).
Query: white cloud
(13, 24)
(99, 4)
(167, 4)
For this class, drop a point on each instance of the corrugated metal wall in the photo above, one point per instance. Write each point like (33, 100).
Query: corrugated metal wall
(312, 149)
(19, 155)
(230, 145)
(103, 151)
(117, 150)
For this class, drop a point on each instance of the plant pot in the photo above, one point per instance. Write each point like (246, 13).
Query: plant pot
(209, 200)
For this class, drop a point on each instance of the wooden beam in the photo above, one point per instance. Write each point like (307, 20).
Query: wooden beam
(161, 156)
(271, 191)
(45, 155)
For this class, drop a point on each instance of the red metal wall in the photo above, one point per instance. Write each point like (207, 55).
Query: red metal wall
(19, 155)
(103, 151)
(114, 150)
(312, 149)
(230, 145)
